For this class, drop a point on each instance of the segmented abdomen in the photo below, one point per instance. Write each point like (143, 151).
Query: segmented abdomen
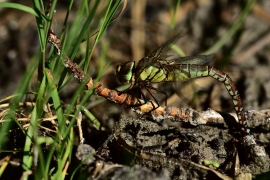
(181, 72)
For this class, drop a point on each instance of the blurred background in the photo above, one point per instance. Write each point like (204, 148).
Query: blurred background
(141, 28)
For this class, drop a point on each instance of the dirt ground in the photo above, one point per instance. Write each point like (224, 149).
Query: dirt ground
(132, 147)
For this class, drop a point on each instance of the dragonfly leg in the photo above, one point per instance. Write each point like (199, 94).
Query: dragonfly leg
(140, 103)
(154, 108)
(163, 92)
(145, 99)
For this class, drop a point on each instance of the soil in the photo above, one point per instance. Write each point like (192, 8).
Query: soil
(131, 146)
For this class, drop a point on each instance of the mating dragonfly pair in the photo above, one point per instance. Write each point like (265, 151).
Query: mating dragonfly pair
(157, 68)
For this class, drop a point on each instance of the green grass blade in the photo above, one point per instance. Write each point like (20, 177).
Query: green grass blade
(91, 117)
(21, 90)
(20, 7)
(32, 130)
(173, 10)
(57, 105)
(237, 24)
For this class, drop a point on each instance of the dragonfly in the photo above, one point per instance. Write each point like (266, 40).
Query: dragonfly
(157, 68)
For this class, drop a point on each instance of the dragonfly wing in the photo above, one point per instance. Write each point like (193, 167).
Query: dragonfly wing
(197, 60)
(160, 52)
(186, 89)
(181, 76)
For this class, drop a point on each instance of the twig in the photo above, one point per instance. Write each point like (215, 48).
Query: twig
(138, 105)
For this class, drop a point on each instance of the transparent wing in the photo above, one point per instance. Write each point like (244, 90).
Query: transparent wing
(188, 91)
(198, 60)
(184, 85)
(184, 88)
(160, 52)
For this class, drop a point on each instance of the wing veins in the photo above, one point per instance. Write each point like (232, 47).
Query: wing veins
(161, 51)
(195, 60)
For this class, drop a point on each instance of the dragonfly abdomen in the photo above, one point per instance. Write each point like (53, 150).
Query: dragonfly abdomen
(204, 71)
(184, 72)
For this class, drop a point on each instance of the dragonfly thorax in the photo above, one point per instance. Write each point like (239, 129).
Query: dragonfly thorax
(149, 70)
(125, 72)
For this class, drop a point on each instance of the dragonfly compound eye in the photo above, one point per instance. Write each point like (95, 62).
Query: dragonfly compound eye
(124, 72)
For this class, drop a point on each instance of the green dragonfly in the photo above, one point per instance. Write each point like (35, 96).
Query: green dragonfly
(157, 68)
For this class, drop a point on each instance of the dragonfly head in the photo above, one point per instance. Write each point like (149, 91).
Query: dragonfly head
(124, 72)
